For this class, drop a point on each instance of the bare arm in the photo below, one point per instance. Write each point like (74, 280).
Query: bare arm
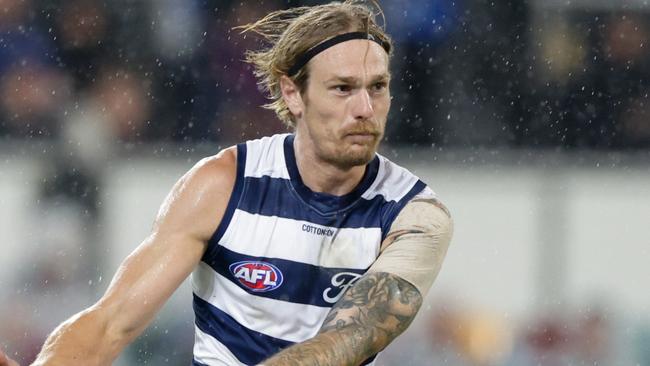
(374, 311)
(148, 277)
(380, 305)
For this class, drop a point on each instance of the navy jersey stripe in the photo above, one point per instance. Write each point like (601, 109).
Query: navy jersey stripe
(392, 209)
(197, 363)
(302, 283)
(248, 346)
(232, 202)
(275, 197)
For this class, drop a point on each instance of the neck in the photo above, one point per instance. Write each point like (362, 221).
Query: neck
(322, 176)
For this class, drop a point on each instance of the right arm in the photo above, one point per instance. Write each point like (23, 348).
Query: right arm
(147, 278)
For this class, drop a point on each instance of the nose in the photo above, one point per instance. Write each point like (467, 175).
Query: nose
(362, 105)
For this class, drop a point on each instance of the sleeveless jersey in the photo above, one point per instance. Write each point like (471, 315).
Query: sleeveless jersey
(283, 254)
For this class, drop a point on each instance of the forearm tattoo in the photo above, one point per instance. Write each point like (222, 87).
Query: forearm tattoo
(374, 311)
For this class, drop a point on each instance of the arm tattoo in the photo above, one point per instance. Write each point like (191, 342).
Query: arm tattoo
(374, 311)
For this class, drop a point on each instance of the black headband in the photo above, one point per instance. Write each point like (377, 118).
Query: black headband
(302, 60)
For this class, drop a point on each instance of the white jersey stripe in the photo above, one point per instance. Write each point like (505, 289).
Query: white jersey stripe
(263, 315)
(265, 157)
(393, 182)
(302, 241)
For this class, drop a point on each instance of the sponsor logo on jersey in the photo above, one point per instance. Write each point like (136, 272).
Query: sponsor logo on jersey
(322, 231)
(340, 282)
(257, 276)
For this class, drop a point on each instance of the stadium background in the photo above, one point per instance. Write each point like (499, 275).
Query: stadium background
(529, 118)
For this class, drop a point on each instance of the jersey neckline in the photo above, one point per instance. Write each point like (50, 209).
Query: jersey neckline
(325, 202)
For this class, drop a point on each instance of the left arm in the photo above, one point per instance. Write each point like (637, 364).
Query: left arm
(365, 320)
(383, 302)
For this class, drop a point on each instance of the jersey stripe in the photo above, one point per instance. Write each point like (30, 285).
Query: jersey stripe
(235, 196)
(242, 354)
(248, 346)
(280, 199)
(392, 209)
(267, 157)
(307, 285)
(302, 241)
(264, 315)
(393, 182)
(209, 351)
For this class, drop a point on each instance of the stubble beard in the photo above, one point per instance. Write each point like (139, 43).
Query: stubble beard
(347, 158)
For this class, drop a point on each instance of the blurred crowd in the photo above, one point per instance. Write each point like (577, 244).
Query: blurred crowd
(93, 72)
(578, 335)
(90, 75)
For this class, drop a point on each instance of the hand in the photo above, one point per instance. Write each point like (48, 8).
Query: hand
(6, 361)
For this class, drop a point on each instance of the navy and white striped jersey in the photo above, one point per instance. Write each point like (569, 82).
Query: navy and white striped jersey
(283, 254)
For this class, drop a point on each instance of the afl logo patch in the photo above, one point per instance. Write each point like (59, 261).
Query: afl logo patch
(257, 276)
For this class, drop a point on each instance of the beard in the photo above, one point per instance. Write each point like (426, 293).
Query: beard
(346, 156)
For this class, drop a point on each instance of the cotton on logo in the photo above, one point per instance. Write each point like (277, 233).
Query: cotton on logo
(257, 276)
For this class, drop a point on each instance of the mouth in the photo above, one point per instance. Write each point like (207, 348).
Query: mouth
(361, 137)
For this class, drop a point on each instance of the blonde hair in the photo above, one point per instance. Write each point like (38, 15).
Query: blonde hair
(292, 32)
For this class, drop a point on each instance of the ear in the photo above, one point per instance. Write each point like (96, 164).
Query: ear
(292, 97)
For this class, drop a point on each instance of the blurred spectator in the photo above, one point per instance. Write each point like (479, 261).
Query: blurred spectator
(30, 99)
(31, 87)
(635, 121)
(468, 79)
(454, 335)
(115, 109)
(585, 88)
(23, 41)
(421, 30)
(557, 91)
(81, 34)
(621, 76)
(236, 84)
(182, 101)
(626, 41)
(545, 342)
(121, 97)
(625, 47)
(592, 338)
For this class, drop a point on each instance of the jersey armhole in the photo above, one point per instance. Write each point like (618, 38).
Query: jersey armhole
(395, 209)
(233, 202)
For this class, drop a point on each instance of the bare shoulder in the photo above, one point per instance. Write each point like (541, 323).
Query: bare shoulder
(214, 174)
(199, 198)
(219, 168)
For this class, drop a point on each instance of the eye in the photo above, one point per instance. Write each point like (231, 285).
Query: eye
(342, 88)
(380, 86)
